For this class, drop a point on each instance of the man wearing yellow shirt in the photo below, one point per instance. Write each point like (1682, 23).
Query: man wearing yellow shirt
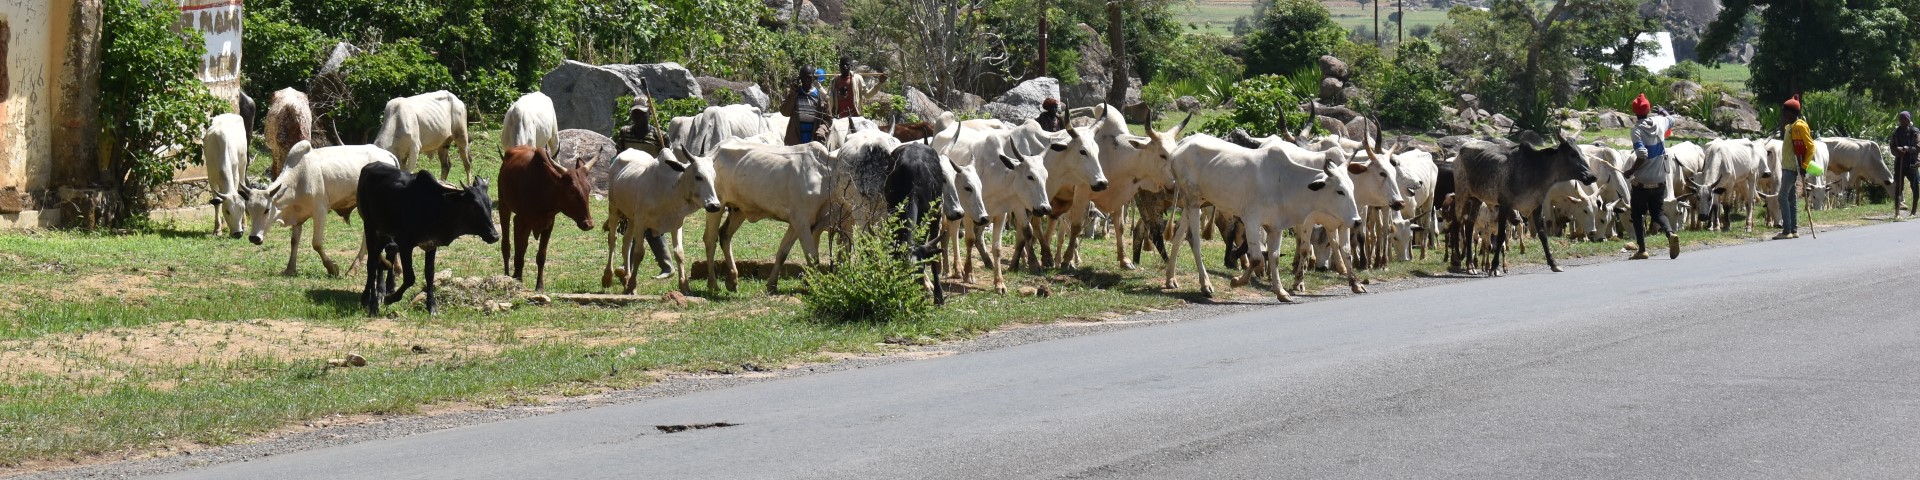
(1795, 153)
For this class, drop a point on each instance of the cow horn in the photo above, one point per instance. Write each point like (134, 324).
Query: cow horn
(1182, 126)
(1284, 131)
(955, 141)
(1313, 117)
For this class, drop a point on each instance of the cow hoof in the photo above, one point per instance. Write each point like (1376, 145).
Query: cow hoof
(333, 270)
(1284, 298)
(1239, 282)
(663, 275)
(1001, 289)
(290, 271)
(1556, 269)
(1126, 265)
(1359, 289)
(606, 279)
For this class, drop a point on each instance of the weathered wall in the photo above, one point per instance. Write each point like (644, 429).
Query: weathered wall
(219, 21)
(31, 66)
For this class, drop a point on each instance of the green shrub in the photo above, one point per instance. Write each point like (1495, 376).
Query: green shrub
(1843, 114)
(675, 108)
(280, 53)
(1259, 103)
(388, 71)
(877, 285)
(1293, 33)
(1409, 94)
(1685, 70)
(151, 98)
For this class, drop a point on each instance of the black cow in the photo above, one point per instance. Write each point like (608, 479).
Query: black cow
(401, 211)
(248, 112)
(1513, 180)
(915, 190)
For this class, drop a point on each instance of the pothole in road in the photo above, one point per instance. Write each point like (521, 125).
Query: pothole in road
(694, 426)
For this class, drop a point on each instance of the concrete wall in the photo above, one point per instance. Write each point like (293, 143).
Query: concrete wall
(31, 67)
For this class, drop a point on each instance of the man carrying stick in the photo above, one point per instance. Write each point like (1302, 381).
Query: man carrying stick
(1795, 156)
(1906, 155)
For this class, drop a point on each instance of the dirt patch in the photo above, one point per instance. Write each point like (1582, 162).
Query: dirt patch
(112, 285)
(197, 342)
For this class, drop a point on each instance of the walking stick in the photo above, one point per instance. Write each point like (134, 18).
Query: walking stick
(1812, 231)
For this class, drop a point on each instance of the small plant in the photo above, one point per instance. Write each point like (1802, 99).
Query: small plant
(880, 283)
(1259, 104)
(678, 107)
(1685, 70)
(724, 96)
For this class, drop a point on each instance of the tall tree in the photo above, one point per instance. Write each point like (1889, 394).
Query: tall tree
(1804, 45)
(1117, 41)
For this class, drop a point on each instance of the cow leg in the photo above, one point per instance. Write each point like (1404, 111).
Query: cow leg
(726, 247)
(794, 232)
(293, 250)
(680, 263)
(1498, 266)
(369, 294)
(1254, 235)
(433, 306)
(320, 246)
(540, 260)
(607, 272)
(506, 244)
(446, 167)
(1119, 222)
(1301, 235)
(1193, 240)
(1343, 265)
(1173, 252)
(406, 270)
(999, 280)
(712, 238)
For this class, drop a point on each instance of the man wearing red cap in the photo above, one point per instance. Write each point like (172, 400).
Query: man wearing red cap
(1649, 176)
(1795, 154)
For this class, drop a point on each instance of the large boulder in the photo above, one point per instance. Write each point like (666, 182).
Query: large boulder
(577, 145)
(1501, 121)
(1687, 127)
(1452, 143)
(1360, 128)
(1333, 67)
(749, 93)
(1187, 103)
(584, 94)
(1613, 119)
(1095, 79)
(1683, 92)
(1333, 91)
(1329, 125)
(1734, 120)
(920, 104)
(1022, 103)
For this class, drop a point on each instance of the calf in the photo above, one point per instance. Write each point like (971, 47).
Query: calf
(652, 197)
(289, 121)
(315, 181)
(224, 151)
(1513, 180)
(534, 189)
(402, 211)
(426, 124)
(531, 121)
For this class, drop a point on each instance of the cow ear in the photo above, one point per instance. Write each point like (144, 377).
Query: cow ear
(676, 166)
(1719, 191)
(1140, 144)
(275, 190)
(1009, 162)
(246, 194)
(1319, 182)
(217, 200)
(1058, 147)
(1356, 168)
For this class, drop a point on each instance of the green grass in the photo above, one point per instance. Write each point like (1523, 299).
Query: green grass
(1353, 17)
(117, 343)
(1734, 76)
(1213, 16)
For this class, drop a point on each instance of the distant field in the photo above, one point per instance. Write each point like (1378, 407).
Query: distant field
(1216, 16)
(1732, 75)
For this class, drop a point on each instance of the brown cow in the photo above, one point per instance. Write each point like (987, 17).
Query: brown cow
(909, 132)
(534, 189)
(289, 121)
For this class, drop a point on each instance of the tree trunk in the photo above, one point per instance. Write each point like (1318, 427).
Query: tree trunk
(1116, 41)
(1040, 68)
(1400, 27)
(1376, 24)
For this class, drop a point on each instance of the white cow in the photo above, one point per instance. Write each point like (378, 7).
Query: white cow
(316, 181)
(1132, 163)
(1271, 191)
(531, 121)
(1612, 182)
(224, 151)
(1732, 179)
(698, 135)
(784, 183)
(1852, 162)
(1689, 158)
(1420, 167)
(1073, 175)
(425, 124)
(1012, 185)
(653, 197)
(289, 121)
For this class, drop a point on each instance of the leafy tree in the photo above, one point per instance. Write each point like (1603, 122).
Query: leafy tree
(1263, 105)
(279, 53)
(1292, 34)
(1517, 57)
(151, 100)
(394, 69)
(1410, 94)
(1866, 46)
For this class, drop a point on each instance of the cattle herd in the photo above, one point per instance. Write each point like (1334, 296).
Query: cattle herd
(1349, 203)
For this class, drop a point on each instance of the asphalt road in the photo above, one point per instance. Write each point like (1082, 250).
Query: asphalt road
(1786, 359)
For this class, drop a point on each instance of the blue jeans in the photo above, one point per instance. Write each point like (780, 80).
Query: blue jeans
(1789, 213)
(808, 130)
